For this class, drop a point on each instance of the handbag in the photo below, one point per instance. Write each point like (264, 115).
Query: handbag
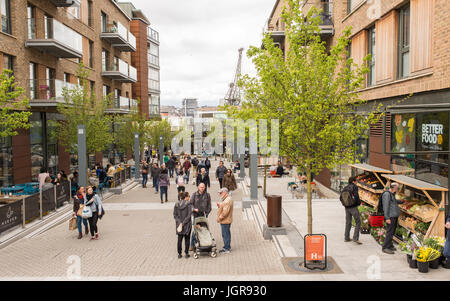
(87, 212)
(72, 223)
(80, 211)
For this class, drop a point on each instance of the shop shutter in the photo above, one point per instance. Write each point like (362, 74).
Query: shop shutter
(386, 47)
(421, 37)
(376, 130)
(359, 47)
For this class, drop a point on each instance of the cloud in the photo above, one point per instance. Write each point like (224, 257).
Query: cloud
(199, 42)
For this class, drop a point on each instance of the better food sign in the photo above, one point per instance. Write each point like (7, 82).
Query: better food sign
(432, 134)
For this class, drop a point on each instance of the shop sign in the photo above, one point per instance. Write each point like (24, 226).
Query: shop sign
(10, 216)
(432, 131)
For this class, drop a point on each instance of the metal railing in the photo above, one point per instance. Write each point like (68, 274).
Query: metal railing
(48, 89)
(53, 29)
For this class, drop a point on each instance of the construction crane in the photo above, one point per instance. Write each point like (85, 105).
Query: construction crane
(233, 96)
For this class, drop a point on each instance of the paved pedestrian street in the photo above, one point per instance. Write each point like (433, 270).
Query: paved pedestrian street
(137, 239)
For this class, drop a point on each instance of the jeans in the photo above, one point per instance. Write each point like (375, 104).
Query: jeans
(226, 235)
(187, 176)
(79, 220)
(390, 231)
(186, 243)
(93, 223)
(171, 172)
(220, 182)
(349, 213)
(155, 183)
(446, 252)
(163, 190)
(144, 179)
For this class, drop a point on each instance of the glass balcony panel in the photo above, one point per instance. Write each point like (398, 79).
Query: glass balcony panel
(124, 102)
(123, 67)
(122, 30)
(132, 39)
(133, 73)
(48, 89)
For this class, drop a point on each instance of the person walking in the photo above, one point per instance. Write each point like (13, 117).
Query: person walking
(93, 200)
(187, 167)
(351, 201)
(144, 172)
(194, 163)
(78, 200)
(391, 214)
(203, 177)
(171, 166)
(220, 173)
(155, 172)
(182, 212)
(225, 218)
(164, 182)
(179, 180)
(207, 165)
(201, 202)
(229, 182)
(166, 158)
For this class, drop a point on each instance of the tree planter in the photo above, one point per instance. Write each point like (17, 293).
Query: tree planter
(423, 266)
(434, 264)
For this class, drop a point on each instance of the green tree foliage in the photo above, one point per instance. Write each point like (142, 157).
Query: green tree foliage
(12, 104)
(80, 107)
(130, 124)
(311, 91)
(160, 128)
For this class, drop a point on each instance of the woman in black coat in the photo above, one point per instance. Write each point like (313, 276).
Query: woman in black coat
(182, 213)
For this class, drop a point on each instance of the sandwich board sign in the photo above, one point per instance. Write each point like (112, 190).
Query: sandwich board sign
(315, 251)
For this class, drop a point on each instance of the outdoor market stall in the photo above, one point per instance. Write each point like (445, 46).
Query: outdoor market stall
(423, 212)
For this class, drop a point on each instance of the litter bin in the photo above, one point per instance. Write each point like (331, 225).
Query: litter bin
(274, 211)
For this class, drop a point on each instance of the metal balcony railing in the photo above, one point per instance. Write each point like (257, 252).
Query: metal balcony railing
(44, 90)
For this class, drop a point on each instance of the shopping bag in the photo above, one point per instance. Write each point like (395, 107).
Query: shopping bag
(87, 212)
(72, 223)
(80, 211)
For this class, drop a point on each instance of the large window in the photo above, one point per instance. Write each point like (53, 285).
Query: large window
(90, 15)
(5, 10)
(153, 54)
(404, 41)
(37, 144)
(371, 49)
(105, 60)
(8, 62)
(153, 79)
(6, 162)
(91, 54)
(104, 22)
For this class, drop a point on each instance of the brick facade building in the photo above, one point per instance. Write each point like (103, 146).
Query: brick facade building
(408, 40)
(43, 42)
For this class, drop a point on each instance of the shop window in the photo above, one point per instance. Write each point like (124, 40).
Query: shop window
(6, 162)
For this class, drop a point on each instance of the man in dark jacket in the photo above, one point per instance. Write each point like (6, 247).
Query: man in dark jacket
(203, 177)
(220, 173)
(171, 166)
(155, 171)
(353, 212)
(391, 214)
(201, 201)
(207, 165)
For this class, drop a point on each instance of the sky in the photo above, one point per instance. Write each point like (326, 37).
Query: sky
(199, 42)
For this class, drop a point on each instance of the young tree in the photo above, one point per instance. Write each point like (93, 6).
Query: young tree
(161, 129)
(311, 92)
(12, 104)
(80, 107)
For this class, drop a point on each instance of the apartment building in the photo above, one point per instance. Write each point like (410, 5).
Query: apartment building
(43, 42)
(154, 78)
(408, 40)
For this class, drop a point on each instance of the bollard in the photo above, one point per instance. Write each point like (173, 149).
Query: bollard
(274, 211)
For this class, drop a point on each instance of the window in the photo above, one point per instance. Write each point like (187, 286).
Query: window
(8, 62)
(117, 94)
(104, 22)
(5, 10)
(105, 60)
(33, 81)
(66, 77)
(106, 90)
(349, 6)
(371, 49)
(6, 162)
(91, 54)
(90, 16)
(153, 54)
(404, 39)
(116, 63)
(92, 87)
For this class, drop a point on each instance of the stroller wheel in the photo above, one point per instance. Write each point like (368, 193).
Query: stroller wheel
(196, 255)
(213, 254)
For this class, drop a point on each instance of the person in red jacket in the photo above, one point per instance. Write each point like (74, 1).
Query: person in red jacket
(187, 167)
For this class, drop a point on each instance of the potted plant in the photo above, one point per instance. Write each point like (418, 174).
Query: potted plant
(437, 243)
(409, 247)
(424, 256)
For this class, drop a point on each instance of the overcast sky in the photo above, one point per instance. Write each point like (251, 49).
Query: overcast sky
(199, 42)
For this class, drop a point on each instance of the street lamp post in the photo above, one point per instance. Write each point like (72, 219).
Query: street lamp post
(161, 150)
(137, 155)
(82, 160)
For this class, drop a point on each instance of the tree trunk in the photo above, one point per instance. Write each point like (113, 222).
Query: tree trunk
(309, 198)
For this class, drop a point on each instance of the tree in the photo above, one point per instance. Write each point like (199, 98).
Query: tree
(80, 107)
(312, 92)
(161, 129)
(132, 123)
(12, 116)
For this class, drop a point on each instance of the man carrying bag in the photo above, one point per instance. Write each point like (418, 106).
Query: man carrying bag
(351, 201)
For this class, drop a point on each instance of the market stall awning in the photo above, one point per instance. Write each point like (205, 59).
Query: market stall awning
(370, 168)
(414, 183)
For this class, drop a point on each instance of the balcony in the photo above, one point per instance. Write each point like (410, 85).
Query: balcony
(326, 16)
(47, 92)
(66, 3)
(55, 39)
(153, 35)
(119, 37)
(121, 72)
(121, 105)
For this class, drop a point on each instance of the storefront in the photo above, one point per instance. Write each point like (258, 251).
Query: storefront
(6, 162)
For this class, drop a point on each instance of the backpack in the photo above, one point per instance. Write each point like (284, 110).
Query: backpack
(347, 198)
(380, 210)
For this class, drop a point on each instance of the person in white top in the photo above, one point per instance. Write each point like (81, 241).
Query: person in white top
(42, 176)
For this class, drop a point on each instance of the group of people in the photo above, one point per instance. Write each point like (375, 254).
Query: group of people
(199, 204)
(388, 207)
(46, 180)
(87, 198)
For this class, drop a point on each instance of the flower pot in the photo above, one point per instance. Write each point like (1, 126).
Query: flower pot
(413, 264)
(408, 258)
(446, 263)
(423, 266)
(434, 264)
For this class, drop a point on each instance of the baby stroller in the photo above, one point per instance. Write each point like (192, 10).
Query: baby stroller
(203, 240)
